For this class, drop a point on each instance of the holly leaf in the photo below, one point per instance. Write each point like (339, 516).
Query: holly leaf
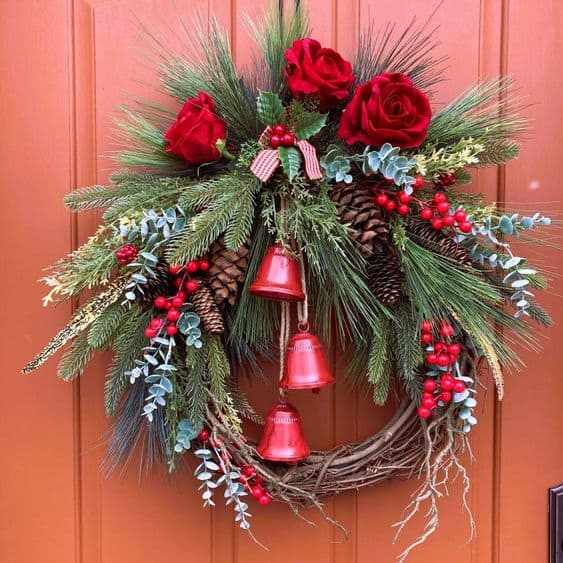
(291, 161)
(270, 109)
(309, 123)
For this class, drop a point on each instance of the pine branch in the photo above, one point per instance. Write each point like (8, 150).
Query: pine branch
(486, 112)
(128, 347)
(409, 51)
(196, 381)
(498, 152)
(76, 358)
(379, 364)
(104, 328)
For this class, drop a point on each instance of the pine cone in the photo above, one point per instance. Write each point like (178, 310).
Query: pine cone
(206, 307)
(159, 284)
(436, 241)
(384, 274)
(356, 208)
(227, 271)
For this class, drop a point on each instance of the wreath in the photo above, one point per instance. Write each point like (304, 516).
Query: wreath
(306, 200)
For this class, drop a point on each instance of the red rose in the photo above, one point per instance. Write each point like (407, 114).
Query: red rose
(387, 109)
(316, 71)
(194, 134)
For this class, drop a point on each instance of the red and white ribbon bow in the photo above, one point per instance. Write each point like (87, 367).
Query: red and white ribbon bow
(267, 160)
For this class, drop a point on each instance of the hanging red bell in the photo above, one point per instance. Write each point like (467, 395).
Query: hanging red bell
(282, 438)
(305, 363)
(278, 276)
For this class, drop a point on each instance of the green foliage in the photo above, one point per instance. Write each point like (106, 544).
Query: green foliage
(196, 385)
(127, 347)
(229, 208)
(409, 51)
(269, 108)
(75, 359)
(104, 328)
(487, 112)
(275, 33)
(291, 161)
(306, 123)
(379, 362)
(499, 151)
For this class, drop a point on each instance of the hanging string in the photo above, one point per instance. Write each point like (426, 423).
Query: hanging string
(303, 307)
(285, 319)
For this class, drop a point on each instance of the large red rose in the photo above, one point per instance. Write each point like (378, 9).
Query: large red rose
(194, 134)
(313, 70)
(387, 109)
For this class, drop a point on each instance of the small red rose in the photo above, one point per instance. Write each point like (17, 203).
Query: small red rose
(387, 109)
(319, 72)
(196, 131)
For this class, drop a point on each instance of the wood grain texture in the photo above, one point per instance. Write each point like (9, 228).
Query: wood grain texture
(64, 66)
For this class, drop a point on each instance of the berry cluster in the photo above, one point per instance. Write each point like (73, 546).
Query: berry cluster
(437, 210)
(185, 285)
(126, 254)
(281, 137)
(253, 483)
(442, 354)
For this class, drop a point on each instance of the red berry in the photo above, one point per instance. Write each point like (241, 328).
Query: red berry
(203, 435)
(182, 295)
(175, 270)
(404, 197)
(448, 221)
(460, 216)
(279, 129)
(428, 402)
(445, 396)
(150, 332)
(443, 207)
(429, 385)
(192, 285)
(288, 140)
(439, 197)
(439, 346)
(437, 223)
(403, 210)
(177, 301)
(443, 360)
(426, 338)
(454, 349)
(258, 480)
(156, 323)
(381, 199)
(446, 383)
(264, 499)
(390, 205)
(465, 227)
(447, 179)
(446, 330)
(427, 214)
(275, 141)
(426, 326)
(161, 302)
(459, 386)
(204, 265)
(257, 491)
(171, 330)
(178, 282)
(418, 182)
(431, 358)
(192, 266)
(173, 315)
(423, 412)
(248, 471)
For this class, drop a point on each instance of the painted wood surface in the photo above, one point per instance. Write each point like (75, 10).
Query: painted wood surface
(64, 66)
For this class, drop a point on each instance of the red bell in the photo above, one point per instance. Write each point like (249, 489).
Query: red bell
(282, 438)
(278, 276)
(305, 364)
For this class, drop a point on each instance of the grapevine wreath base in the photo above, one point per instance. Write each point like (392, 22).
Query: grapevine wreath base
(306, 200)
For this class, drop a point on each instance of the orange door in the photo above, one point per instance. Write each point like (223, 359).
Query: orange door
(64, 65)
